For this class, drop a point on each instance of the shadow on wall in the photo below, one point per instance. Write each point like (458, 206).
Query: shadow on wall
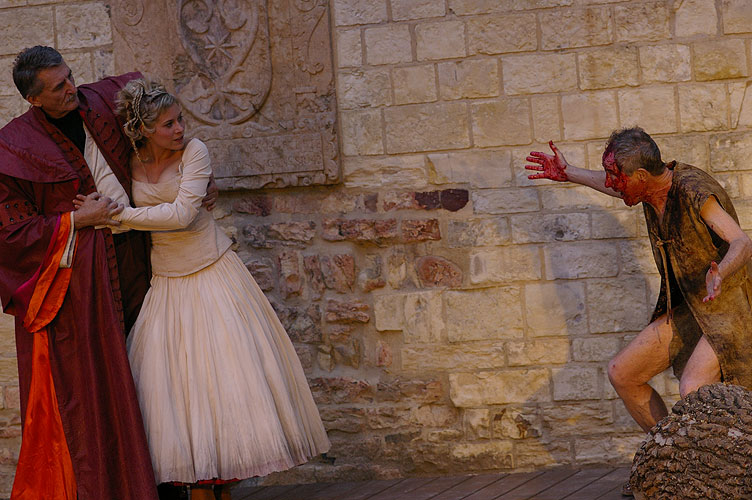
(553, 403)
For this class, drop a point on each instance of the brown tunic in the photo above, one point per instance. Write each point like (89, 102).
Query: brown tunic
(690, 246)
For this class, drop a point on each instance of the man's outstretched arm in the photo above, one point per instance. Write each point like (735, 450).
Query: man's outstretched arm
(556, 168)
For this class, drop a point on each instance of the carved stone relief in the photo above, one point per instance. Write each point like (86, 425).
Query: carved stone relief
(254, 77)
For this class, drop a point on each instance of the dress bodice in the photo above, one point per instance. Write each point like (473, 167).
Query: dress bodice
(182, 245)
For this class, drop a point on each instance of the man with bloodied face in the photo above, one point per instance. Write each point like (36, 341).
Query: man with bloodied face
(701, 323)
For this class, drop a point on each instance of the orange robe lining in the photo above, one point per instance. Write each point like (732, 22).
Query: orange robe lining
(45, 468)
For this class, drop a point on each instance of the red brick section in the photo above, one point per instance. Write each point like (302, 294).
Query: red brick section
(366, 230)
(338, 272)
(448, 199)
(352, 311)
(302, 232)
(438, 272)
(338, 390)
(420, 230)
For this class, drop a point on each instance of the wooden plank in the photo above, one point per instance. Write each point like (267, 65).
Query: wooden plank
(603, 485)
(403, 490)
(574, 483)
(469, 486)
(435, 487)
(337, 490)
(543, 481)
(614, 494)
(303, 491)
(352, 490)
(503, 486)
(262, 492)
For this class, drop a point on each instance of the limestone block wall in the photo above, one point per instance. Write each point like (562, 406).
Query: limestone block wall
(452, 315)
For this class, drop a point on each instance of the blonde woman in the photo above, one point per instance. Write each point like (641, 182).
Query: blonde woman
(222, 392)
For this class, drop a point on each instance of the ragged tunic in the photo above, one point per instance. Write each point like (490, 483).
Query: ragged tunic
(41, 172)
(687, 246)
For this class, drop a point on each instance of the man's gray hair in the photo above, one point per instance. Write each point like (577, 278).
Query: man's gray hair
(28, 64)
(633, 148)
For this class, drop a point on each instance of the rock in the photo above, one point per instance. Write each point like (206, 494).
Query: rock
(353, 311)
(702, 450)
(338, 390)
(364, 230)
(312, 268)
(289, 273)
(302, 325)
(400, 201)
(298, 232)
(254, 205)
(338, 272)
(256, 235)
(437, 272)
(454, 199)
(370, 275)
(420, 230)
(384, 355)
(428, 200)
(262, 271)
(348, 354)
(338, 334)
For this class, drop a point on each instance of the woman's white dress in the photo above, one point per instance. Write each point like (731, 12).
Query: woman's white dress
(221, 388)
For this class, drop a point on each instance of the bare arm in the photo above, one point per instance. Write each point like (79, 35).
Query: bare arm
(556, 168)
(740, 246)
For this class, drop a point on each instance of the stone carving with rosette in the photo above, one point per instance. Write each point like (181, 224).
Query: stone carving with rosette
(254, 77)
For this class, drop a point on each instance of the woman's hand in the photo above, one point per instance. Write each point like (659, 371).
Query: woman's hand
(212, 194)
(95, 210)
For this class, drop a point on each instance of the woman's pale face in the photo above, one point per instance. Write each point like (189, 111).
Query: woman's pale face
(169, 129)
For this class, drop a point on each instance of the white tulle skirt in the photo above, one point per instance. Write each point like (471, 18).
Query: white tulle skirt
(222, 392)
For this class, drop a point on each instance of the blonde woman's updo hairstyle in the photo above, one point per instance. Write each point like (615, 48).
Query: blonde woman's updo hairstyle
(139, 103)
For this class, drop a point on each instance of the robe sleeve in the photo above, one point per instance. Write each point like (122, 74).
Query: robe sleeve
(27, 241)
(196, 170)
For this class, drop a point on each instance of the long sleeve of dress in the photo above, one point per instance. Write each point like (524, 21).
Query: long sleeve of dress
(104, 178)
(196, 170)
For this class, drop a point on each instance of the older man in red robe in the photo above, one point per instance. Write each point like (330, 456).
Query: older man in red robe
(65, 279)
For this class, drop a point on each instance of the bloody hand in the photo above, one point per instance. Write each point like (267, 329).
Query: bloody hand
(550, 167)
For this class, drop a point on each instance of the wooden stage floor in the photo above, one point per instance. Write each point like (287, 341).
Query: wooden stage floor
(551, 484)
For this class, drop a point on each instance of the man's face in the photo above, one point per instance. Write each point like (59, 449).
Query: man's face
(58, 96)
(630, 187)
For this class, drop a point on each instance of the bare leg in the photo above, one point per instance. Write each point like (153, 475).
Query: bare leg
(702, 368)
(633, 367)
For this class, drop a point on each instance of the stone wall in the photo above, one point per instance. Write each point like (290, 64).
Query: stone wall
(451, 314)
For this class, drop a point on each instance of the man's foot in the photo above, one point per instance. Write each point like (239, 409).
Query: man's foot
(626, 490)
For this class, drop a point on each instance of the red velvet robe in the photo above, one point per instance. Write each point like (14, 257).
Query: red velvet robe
(41, 171)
